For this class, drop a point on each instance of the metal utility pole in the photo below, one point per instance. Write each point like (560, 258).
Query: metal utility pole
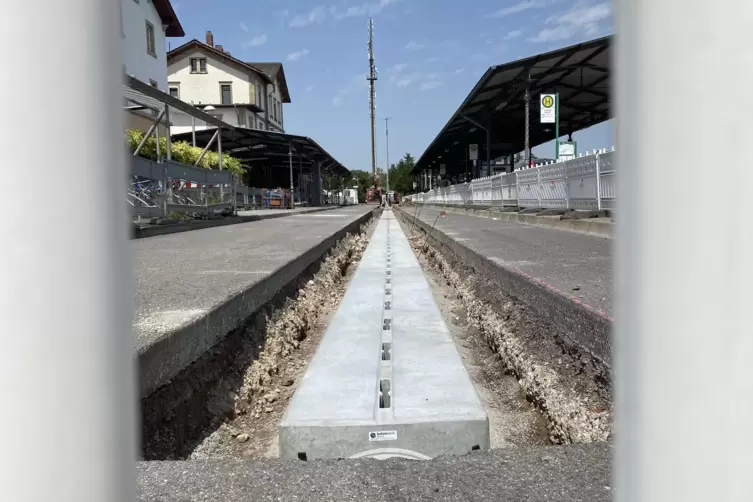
(292, 186)
(387, 136)
(372, 77)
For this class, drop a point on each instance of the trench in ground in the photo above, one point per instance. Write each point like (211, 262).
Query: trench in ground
(229, 403)
(568, 386)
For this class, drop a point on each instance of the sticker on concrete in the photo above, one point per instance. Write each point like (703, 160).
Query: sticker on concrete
(383, 436)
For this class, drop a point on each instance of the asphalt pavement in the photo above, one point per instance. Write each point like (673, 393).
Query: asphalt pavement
(574, 473)
(181, 276)
(578, 265)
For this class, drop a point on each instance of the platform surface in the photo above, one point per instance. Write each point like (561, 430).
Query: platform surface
(429, 405)
(575, 473)
(578, 265)
(181, 276)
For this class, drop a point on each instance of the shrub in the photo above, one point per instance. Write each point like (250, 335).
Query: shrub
(182, 152)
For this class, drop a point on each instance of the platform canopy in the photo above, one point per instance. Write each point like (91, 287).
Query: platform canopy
(269, 151)
(579, 73)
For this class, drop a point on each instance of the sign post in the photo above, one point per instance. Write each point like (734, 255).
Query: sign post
(550, 114)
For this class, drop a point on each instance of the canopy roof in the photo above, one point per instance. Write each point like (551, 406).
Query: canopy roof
(579, 73)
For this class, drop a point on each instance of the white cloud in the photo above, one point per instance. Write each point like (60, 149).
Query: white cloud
(431, 84)
(430, 60)
(244, 26)
(397, 68)
(352, 83)
(408, 79)
(581, 19)
(257, 41)
(513, 34)
(371, 8)
(458, 71)
(320, 13)
(295, 56)
(310, 88)
(317, 15)
(519, 7)
(414, 46)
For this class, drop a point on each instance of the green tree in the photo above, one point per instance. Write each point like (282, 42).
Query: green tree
(362, 179)
(401, 179)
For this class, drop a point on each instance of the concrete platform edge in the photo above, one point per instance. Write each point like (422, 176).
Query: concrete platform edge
(154, 231)
(592, 226)
(584, 327)
(174, 351)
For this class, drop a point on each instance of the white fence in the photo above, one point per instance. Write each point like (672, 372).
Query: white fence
(586, 182)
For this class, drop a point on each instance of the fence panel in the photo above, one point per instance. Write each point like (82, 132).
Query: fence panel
(607, 180)
(509, 190)
(528, 187)
(496, 190)
(581, 182)
(552, 186)
(482, 191)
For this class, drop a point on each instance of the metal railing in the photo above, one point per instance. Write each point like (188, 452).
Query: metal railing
(159, 188)
(585, 183)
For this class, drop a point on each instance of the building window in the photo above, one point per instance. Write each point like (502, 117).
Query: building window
(226, 93)
(153, 83)
(174, 89)
(198, 65)
(150, 43)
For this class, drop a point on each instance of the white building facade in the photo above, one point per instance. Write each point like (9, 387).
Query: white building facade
(238, 93)
(145, 26)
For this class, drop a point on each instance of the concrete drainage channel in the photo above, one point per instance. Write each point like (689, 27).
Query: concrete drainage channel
(229, 401)
(387, 380)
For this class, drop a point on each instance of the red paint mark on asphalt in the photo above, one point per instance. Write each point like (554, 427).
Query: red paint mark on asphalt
(575, 300)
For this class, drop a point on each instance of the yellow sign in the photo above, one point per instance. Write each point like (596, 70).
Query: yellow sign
(548, 108)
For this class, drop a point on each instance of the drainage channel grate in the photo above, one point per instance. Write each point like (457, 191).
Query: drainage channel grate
(385, 369)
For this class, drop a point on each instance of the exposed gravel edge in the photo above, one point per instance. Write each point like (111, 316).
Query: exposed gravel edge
(233, 377)
(561, 384)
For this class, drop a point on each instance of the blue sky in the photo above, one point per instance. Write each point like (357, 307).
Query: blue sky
(429, 54)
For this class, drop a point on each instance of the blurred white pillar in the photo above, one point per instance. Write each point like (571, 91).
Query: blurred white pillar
(66, 366)
(684, 354)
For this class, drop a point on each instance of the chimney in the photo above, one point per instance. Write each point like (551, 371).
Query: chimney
(219, 48)
(210, 39)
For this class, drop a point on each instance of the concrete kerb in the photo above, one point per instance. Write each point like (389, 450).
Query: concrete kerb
(155, 230)
(175, 350)
(582, 326)
(591, 226)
